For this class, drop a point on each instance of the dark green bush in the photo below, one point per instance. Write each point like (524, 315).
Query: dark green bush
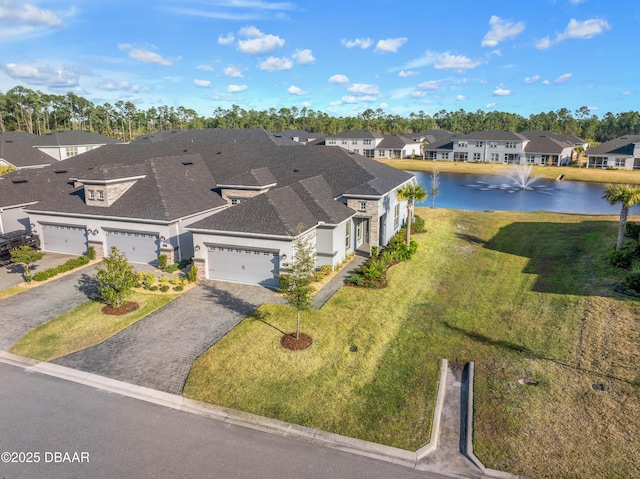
(632, 230)
(178, 288)
(63, 268)
(164, 288)
(153, 288)
(162, 261)
(622, 258)
(418, 225)
(326, 268)
(192, 275)
(91, 252)
(283, 282)
(632, 281)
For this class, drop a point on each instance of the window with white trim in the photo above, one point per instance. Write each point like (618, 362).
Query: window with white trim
(71, 151)
(237, 201)
(493, 144)
(363, 206)
(620, 162)
(396, 216)
(463, 143)
(366, 142)
(479, 144)
(100, 195)
(347, 241)
(495, 157)
(91, 194)
(476, 156)
(511, 144)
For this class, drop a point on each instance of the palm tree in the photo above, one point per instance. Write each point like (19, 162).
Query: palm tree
(411, 193)
(627, 196)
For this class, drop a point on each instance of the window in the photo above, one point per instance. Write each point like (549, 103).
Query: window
(237, 201)
(366, 142)
(511, 144)
(356, 151)
(531, 159)
(620, 162)
(511, 159)
(463, 143)
(598, 161)
(71, 151)
(344, 142)
(331, 142)
(355, 142)
(368, 153)
(476, 157)
(347, 242)
(479, 144)
(493, 144)
(363, 206)
(460, 156)
(495, 157)
(396, 216)
(100, 195)
(91, 194)
(445, 155)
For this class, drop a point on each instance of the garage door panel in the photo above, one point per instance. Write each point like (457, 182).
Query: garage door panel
(138, 247)
(70, 239)
(243, 265)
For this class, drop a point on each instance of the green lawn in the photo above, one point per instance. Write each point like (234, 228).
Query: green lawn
(82, 327)
(526, 296)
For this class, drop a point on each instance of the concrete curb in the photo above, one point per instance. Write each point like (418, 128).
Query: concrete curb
(468, 452)
(437, 414)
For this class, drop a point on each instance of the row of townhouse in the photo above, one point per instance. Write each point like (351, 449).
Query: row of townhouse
(373, 145)
(534, 147)
(622, 152)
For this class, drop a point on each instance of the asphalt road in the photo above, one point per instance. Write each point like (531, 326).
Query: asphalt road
(116, 437)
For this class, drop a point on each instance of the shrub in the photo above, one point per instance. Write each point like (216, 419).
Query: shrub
(632, 281)
(164, 288)
(355, 279)
(153, 288)
(318, 275)
(172, 268)
(185, 281)
(179, 288)
(632, 230)
(192, 275)
(68, 265)
(91, 252)
(283, 281)
(162, 261)
(374, 251)
(326, 268)
(622, 258)
(148, 279)
(164, 281)
(418, 225)
(175, 281)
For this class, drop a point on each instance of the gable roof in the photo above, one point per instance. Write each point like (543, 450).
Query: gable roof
(623, 145)
(572, 139)
(493, 135)
(16, 150)
(71, 138)
(546, 144)
(396, 141)
(347, 134)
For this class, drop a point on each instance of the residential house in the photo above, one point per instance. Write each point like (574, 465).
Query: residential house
(622, 152)
(61, 145)
(398, 147)
(205, 194)
(16, 150)
(363, 142)
(301, 136)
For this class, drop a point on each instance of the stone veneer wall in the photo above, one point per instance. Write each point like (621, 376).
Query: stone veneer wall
(111, 192)
(372, 211)
(98, 246)
(227, 194)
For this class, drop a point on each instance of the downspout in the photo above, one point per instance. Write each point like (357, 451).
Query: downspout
(178, 238)
(1, 226)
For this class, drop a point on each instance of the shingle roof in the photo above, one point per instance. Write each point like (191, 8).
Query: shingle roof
(72, 138)
(171, 189)
(622, 145)
(574, 140)
(17, 150)
(347, 134)
(493, 135)
(545, 144)
(395, 141)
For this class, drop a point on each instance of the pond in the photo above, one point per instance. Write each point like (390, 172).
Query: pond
(485, 192)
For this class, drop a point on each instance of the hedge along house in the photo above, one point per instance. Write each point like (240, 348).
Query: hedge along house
(188, 193)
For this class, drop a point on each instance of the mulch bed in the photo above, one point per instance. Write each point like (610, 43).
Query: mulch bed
(127, 307)
(290, 342)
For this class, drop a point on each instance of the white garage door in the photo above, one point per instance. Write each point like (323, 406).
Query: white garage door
(70, 239)
(243, 265)
(138, 247)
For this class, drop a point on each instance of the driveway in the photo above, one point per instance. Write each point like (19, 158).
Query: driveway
(158, 351)
(11, 274)
(24, 311)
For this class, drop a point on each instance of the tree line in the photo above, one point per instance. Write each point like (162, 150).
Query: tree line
(23, 109)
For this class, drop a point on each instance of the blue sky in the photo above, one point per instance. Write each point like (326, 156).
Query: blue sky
(339, 57)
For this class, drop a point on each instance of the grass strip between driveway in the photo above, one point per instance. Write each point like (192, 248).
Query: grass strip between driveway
(82, 327)
(527, 296)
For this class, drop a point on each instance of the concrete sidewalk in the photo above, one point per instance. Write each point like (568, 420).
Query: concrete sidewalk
(338, 280)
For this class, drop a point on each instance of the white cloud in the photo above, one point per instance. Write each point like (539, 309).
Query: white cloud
(430, 85)
(446, 61)
(145, 56)
(13, 14)
(461, 97)
(427, 59)
(123, 86)
(206, 68)
(227, 40)
(232, 71)
(237, 88)
(359, 99)
(489, 106)
(577, 30)
(627, 93)
(575, 2)
(563, 78)
(546, 82)
(258, 43)
(304, 57)
(363, 89)
(57, 77)
(544, 43)
(406, 74)
(584, 30)
(390, 45)
(273, 64)
(358, 42)
(501, 30)
(339, 79)
(500, 91)
(532, 79)
(418, 94)
(294, 90)
(202, 83)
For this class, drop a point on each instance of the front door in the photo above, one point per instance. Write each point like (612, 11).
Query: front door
(362, 232)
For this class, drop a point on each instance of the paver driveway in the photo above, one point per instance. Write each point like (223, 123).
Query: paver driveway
(158, 351)
(24, 311)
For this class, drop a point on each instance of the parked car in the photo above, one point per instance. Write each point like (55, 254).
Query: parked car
(13, 239)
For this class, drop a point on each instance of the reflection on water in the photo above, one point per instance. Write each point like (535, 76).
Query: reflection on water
(485, 192)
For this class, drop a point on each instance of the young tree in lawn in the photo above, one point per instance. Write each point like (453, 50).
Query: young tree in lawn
(434, 187)
(627, 196)
(411, 193)
(115, 279)
(26, 256)
(296, 286)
